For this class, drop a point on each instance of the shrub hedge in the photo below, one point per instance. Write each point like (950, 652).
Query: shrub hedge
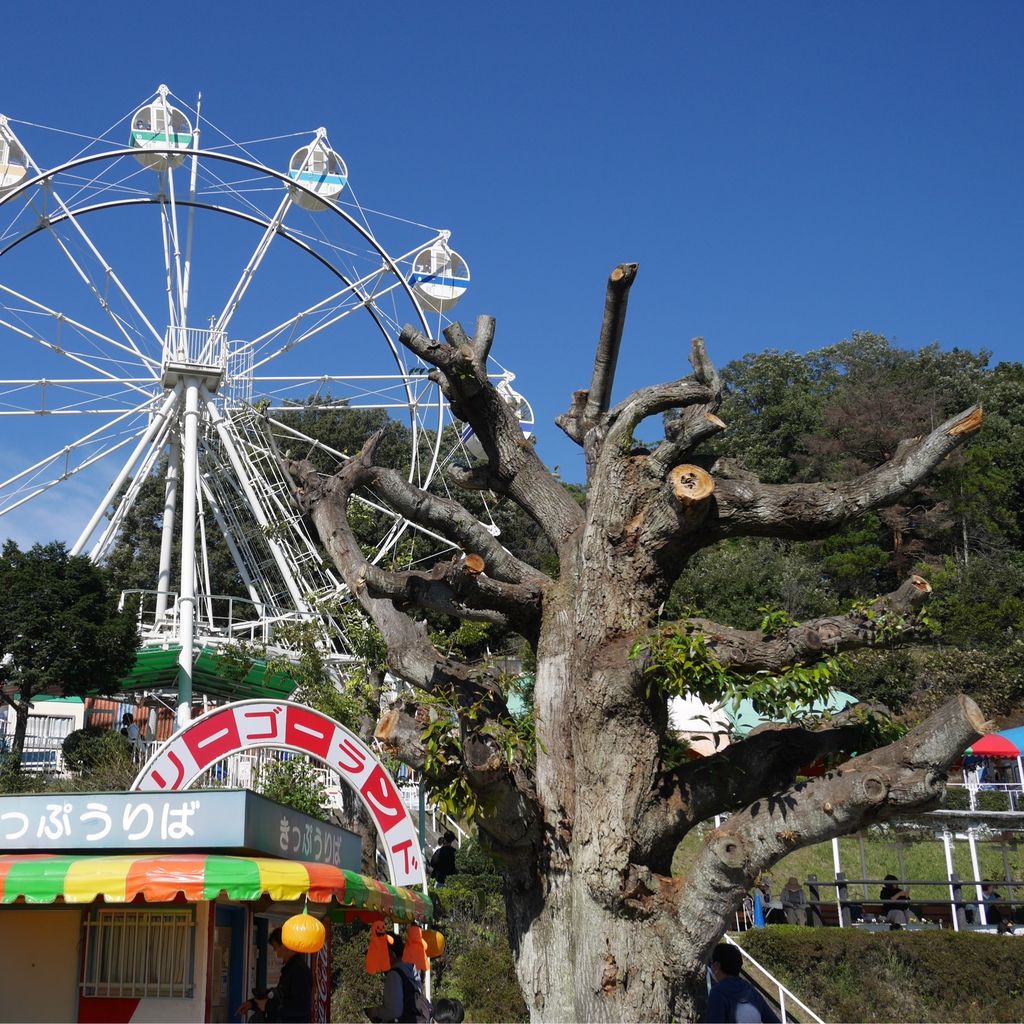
(848, 975)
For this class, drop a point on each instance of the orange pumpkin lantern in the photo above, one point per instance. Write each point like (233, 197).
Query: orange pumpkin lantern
(434, 942)
(303, 933)
(416, 949)
(377, 959)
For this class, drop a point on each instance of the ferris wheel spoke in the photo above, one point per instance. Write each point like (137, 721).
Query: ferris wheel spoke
(156, 424)
(49, 191)
(32, 488)
(61, 397)
(249, 272)
(357, 392)
(363, 302)
(66, 451)
(134, 357)
(139, 478)
(75, 357)
(360, 288)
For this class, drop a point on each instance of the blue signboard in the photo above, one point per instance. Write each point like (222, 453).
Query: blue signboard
(228, 820)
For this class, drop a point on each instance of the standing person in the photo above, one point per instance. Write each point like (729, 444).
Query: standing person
(733, 998)
(794, 902)
(442, 863)
(895, 902)
(130, 731)
(291, 1000)
(402, 990)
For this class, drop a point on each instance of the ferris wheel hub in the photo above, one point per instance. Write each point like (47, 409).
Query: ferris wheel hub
(209, 376)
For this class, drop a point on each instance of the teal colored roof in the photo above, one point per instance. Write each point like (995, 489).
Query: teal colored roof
(744, 717)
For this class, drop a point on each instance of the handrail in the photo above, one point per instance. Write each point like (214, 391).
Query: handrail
(783, 992)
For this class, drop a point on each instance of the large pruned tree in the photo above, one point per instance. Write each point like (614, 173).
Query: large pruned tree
(586, 825)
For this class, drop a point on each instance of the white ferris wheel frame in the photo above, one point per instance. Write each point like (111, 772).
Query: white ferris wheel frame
(189, 387)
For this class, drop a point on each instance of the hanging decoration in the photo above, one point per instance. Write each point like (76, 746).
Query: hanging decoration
(377, 959)
(304, 933)
(416, 949)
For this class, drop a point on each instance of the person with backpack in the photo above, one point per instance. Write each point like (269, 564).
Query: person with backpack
(733, 1000)
(442, 864)
(404, 1000)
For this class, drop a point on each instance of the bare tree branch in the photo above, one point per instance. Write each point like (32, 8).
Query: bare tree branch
(513, 466)
(616, 299)
(767, 760)
(451, 520)
(903, 778)
(750, 650)
(747, 507)
(588, 407)
(646, 402)
(459, 588)
(505, 791)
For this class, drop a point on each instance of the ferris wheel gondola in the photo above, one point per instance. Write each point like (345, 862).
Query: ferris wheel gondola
(439, 277)
(318, 169)
(159, 126)
(13, 160)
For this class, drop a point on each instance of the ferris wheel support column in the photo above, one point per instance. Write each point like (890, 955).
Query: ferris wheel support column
(187, 590)
(163, 585)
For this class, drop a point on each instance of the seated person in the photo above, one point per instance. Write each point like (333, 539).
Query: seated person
(794, 902)
(993, 914)
(895, 902)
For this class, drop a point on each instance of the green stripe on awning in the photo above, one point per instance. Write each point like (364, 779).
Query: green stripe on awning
(238, 877)
(39, 880)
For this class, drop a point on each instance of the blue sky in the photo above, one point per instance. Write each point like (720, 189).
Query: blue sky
(784, 174)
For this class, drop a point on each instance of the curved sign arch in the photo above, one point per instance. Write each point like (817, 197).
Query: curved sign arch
(284, 725)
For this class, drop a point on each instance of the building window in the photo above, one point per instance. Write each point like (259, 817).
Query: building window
(140, 953)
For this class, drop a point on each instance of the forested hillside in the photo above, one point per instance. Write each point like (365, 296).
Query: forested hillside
(834, 413)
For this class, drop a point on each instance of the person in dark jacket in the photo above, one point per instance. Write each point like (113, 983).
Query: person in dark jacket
(291, 1000)
(401, 986)
(733, 998)
(442, 864)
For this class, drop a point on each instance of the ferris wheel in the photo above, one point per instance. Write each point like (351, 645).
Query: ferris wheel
(166, 308)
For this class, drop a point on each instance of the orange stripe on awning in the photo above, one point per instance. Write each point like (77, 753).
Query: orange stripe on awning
(325, 881)
(160, 879)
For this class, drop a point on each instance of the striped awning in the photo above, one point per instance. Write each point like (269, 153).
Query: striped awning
(42, 878)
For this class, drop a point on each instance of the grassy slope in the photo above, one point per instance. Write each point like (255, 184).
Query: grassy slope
(896, 976)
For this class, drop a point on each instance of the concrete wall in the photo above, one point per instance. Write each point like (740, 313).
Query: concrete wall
(39, 954)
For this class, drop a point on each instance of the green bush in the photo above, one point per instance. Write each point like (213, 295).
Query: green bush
(477, 967)
(83, 748)
(294, 783)
(844, 974)
(355, 988)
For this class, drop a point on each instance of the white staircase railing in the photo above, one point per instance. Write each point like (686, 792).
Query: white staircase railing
(782, 993)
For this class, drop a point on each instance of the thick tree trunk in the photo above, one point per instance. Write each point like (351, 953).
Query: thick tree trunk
(21, 712)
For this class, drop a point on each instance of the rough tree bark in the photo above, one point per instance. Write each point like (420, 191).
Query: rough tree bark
(586, 828)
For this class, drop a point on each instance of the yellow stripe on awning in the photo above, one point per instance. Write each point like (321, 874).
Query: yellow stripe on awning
(283, 879)
(89, 877)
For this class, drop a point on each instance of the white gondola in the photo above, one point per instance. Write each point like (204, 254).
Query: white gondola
(519, 405)
(439, 277)
(318, 168)
(13, 164)
(159, 126)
